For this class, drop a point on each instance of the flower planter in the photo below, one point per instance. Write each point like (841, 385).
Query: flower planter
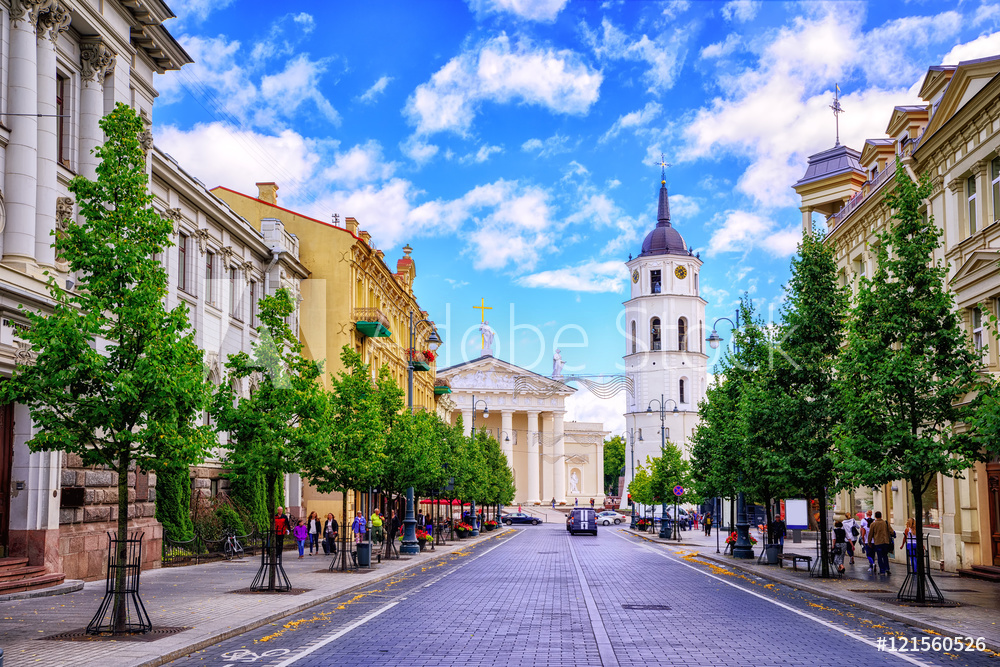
(438, 391)
(423, 544)
(462, 534)
(421, 366)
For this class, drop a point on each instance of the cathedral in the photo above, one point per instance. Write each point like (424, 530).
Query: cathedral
(665, 360)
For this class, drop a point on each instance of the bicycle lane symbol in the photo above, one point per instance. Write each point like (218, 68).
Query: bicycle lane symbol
(245, 655)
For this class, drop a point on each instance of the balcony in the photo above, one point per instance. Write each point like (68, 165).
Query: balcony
(421, 359)
(441, 386)
(868, 190)
(372, 322)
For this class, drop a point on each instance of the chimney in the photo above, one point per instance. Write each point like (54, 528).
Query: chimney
(366, 237)
(268, 192)
(352, 225)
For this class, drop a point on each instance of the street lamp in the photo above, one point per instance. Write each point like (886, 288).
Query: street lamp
(742, 548)
(663, 448)
(433, 341)
(486, 415)
(629, 436)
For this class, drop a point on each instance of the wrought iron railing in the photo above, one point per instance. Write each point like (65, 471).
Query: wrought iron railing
(371, 315)
(859, 198)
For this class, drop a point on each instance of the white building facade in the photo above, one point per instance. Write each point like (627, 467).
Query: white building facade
(665, 360)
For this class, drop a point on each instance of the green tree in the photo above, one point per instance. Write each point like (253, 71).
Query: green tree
(173, 503)
(614, 462)
(641, 485)
(274, 429)
(117, 376)
(907, 366)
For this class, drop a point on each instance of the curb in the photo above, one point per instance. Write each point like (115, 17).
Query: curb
(278, 615)
(68, 586)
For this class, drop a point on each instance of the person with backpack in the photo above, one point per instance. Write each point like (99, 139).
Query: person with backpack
(880, 538)
(708, 524)
(851, 529)
(839, 545)
(330, 532)
(358, 527)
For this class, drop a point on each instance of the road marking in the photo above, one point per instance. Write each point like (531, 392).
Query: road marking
(608, 657)
(827, 624)
(335, 636)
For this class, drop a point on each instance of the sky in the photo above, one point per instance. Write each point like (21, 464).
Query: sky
(514, 144)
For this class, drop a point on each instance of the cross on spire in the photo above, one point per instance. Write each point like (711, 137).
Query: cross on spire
(482, 308)
(662, 164)
(837, 110)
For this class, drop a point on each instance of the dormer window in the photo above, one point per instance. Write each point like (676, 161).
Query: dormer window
(655, 281)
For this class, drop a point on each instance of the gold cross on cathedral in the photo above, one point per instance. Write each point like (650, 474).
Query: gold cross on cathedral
(663, 164)
(482, 308)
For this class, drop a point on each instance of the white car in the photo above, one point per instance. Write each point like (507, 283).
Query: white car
(607, 517)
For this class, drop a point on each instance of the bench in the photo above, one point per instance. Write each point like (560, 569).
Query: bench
(795, 559)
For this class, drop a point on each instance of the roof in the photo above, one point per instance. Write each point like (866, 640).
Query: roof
(663, 239)
(831, 162)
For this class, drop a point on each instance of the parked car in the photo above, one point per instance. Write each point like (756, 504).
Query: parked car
(582, 520)
(519, 517)
(607, 517)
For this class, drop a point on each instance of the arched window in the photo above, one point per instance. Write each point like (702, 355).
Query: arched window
(633, 336)
(681, 388)
(654, 334)
(682, 339)
(701, 336)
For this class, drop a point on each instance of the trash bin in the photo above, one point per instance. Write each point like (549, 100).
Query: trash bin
(773, 552)
(364, 556)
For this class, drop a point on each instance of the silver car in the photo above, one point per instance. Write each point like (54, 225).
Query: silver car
(608, 517)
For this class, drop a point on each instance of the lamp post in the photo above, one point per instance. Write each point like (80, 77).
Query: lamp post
(486, 415)
(663, 448)
(742, 548)
(506, 438)
(410, 545)
(635, 519)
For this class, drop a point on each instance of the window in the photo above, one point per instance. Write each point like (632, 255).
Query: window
(701, 336)
(977, 329)
(654, 281)
(209, 276)
(253, 303)
(62, 87)
(633, 336)
(970, 191)
(234, 293)
(995, 177)
(182, 258)
(681, 388)
(654, 334)
(682, 335)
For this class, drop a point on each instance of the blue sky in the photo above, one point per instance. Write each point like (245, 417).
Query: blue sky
(512, 143)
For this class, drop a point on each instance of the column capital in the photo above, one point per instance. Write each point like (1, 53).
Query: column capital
(28, 10)
(96, 59)
(52, 21)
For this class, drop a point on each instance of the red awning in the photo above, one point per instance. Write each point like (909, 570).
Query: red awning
(430, 501)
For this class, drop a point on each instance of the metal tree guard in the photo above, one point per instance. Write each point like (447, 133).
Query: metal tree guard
(121, 611)
(908, 591)
(271, 576)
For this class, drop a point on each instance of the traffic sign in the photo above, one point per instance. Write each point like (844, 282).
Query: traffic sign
(678, 490)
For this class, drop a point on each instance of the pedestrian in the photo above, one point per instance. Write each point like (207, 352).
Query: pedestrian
(591, 503)
(282, 527)
(315, 527)
(394, 526)
(910, 542)
(301, 534)
(553, 504)
(330, 532)
(863, 540)
(358, 527)
(880, 538)
(420, 518)
(376, 523)
(576, 502)
(778, 530)
(851, 528)
(708, 524)
(839, 545)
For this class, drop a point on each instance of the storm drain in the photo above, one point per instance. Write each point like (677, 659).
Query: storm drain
(646, 607)
(82, 636)
(869, 590)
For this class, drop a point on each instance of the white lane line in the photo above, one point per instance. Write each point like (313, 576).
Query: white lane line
(608, 657)
(340, 633)
(832, 626)
(335, 636)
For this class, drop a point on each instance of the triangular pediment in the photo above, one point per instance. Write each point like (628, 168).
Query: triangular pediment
(492, 374)
(970, 78)
(980, 264)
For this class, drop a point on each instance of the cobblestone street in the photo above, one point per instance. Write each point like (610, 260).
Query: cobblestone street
(536, 596)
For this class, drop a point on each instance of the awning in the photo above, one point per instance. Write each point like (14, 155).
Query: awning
(439, 501)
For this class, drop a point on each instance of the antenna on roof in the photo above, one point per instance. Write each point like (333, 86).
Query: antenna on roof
(837, 110)
(336, 220)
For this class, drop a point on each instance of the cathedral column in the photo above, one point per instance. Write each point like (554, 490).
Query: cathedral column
(531, 489)
(56, 20)
(96, 62)
(467, 421)
(549, 460)
(22, 150)
(559, 453)
(507, 431)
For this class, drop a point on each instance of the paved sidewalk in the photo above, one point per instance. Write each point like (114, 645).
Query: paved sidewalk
(977, 616)
(199, 597)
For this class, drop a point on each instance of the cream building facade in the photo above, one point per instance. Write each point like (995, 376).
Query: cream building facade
(550, 457)
(953, 135)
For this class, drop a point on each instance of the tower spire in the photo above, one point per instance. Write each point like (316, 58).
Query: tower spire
(837, 110)
(663, 209)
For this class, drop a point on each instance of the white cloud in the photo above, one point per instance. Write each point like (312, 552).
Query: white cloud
(663, 55)
(483, 154)
(986, 45)
(590, 276)
(417, 150)
(633, 120)
(554, 145)
(740, 10)
(285, 91)
(723, 48)
(583, 406)
(532, 10)
(501, 72)
(743, 231)
(683, 208)
(195, 10)
(361, 164)
(375, 91)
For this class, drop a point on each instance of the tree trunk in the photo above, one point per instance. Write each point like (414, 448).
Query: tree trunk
(916, 488)
(343, 531)
(824, 534)
(277, 542)
(120, 612)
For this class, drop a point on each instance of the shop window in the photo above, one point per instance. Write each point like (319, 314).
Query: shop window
(654, 334)
(929, 500)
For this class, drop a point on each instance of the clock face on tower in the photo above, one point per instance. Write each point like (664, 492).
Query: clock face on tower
(680, 272)
(635, 275)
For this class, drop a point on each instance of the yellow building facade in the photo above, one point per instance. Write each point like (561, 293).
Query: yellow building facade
(954, 136)
(352, 298)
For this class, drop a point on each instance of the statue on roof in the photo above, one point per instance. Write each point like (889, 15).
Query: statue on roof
(487, 333)
(557, 364)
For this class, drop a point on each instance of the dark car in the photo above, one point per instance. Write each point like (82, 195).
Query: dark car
(519, 517)
(582, 521)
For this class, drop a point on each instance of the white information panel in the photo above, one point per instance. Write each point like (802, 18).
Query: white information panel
(797, 514)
